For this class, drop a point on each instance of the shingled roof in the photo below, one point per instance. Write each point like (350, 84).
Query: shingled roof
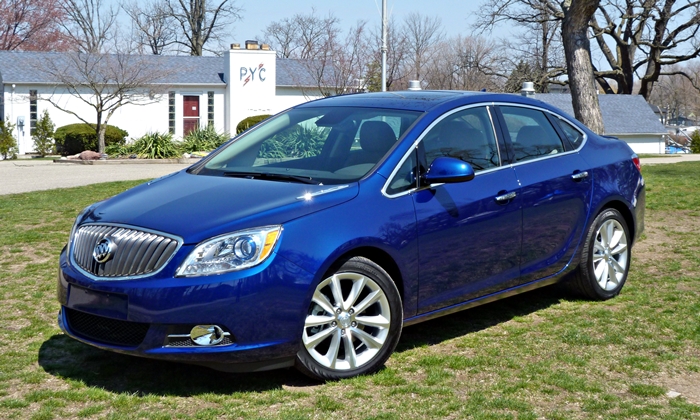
(622, 114)
(26, 67)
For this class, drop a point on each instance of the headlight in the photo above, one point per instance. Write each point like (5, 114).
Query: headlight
(232, 252)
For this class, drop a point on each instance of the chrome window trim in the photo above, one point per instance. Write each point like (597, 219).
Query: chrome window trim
(537, 108)
(426, 131)
(91, 276)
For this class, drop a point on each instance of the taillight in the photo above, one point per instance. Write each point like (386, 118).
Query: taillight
(637, 163)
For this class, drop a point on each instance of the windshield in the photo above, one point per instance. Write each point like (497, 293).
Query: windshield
(313, 145)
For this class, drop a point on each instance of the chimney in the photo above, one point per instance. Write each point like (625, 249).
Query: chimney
(251, 45)
(528, 89)
(414, 85)
(265, 47)
(236, 46)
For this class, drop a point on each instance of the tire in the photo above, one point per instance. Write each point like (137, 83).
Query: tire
(605, 258)
(353, 323)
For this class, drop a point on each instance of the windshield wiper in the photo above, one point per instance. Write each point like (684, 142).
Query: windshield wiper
(273, 177)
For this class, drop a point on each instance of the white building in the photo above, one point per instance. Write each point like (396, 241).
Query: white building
(194, 91)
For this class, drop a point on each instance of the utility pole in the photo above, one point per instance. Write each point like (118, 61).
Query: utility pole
(384, 46)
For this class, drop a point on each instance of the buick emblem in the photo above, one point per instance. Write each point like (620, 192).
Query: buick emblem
(104, 250)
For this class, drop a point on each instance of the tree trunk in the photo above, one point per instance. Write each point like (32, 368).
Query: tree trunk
(577, 48)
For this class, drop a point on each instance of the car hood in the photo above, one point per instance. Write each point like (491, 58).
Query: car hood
(198, 207)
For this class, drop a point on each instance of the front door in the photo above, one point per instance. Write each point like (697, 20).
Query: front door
(190, 113)
(469, 233)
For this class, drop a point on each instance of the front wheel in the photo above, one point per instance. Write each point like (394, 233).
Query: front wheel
(353, 323)
(605, 258)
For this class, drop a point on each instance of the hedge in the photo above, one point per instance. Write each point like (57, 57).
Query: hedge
(249, 122)
(75, 138)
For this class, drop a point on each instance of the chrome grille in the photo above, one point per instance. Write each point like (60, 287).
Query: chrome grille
(137, 252)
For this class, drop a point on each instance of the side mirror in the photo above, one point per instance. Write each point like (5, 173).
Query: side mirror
(446, 170)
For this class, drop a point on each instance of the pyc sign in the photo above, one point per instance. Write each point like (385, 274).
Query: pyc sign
(248, 74)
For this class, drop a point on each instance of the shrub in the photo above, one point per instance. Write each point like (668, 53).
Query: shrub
(249, 122)
(119, 150)
(695, 141)
(203, 140)
(43, 135)
(74, 138)
(155, 146)
(8, 146)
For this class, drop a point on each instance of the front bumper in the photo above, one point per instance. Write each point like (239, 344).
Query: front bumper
(262, 309)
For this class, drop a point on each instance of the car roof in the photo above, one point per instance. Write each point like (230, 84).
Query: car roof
(421, 100)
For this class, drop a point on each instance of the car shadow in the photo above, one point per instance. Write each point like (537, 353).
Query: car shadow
(480, 318)
(66, 358)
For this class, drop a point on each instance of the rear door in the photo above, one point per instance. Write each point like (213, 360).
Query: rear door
(555, 190)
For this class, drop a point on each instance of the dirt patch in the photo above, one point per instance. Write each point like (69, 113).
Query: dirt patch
(659, 231)
(686, 384)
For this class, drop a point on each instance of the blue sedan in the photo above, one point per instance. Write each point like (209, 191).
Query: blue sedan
(314, 238)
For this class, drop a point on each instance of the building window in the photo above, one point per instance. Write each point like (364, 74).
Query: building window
(171, 112)
(32, 111)
(210, 108)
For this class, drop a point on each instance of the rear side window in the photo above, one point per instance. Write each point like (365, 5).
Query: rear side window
(531, 133)
(574, 136)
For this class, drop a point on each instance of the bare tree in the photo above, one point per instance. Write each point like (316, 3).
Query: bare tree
(539, 46)
(421, 33)
(637, 38)
(90, 24)
(104, 82)
(201, 21)
(676, 94)
(304, 36)
(31, 25)
(466, 63)
(647, 35)
(153, 26)
(584, 95)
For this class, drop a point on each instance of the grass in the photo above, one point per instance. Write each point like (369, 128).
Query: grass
(544, 354)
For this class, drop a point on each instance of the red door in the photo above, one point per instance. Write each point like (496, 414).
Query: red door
(190, 114)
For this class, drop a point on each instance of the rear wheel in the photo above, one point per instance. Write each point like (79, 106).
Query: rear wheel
(353, 323)
(606, 256)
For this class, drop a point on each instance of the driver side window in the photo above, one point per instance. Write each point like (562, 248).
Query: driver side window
(467, 135)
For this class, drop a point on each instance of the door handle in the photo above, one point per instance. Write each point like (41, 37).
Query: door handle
(501, 199)
(579, 176)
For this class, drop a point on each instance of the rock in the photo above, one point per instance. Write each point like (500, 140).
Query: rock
(89, 155)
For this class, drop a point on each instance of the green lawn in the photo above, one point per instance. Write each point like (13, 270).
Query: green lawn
(544, 354)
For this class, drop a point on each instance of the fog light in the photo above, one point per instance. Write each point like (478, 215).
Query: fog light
(207, 335)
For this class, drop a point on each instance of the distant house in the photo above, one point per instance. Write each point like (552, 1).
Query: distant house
(627, 117)
(193, 92)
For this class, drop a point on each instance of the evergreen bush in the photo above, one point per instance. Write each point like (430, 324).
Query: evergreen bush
(695, 142)
(249, 122)
(43, 135)
(8, 145)
(75, 138)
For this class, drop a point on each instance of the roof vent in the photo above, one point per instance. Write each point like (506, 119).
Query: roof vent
(414, 85)
(528, 89)
(251, 45)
